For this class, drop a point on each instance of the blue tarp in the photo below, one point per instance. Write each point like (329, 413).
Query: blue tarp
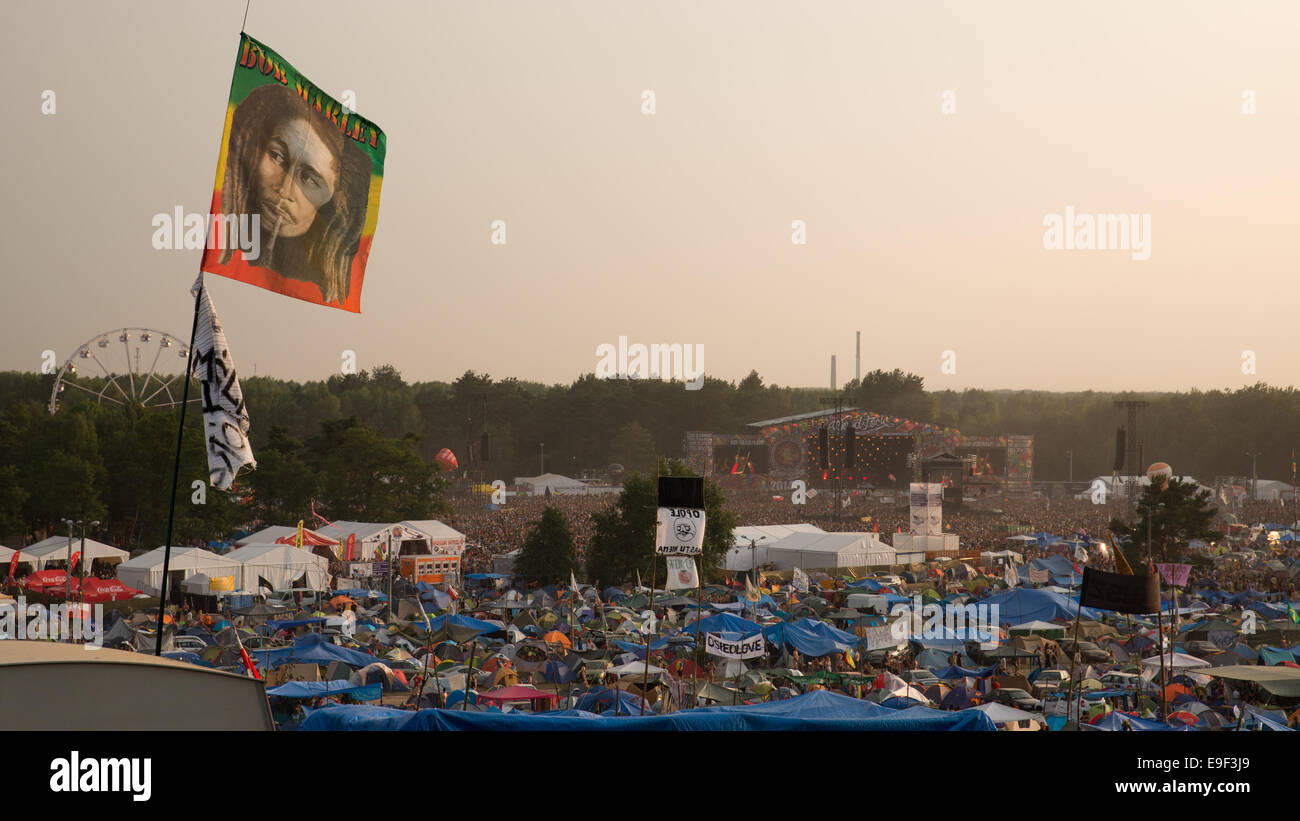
(951, 672)
(481, 576)
(868, 584)
(1021, 605)
(818, 710)
(311, 649)
(312, 689)
(483, 627)
(812, 638)
(1273, 656)
(601, 700)
(1257, 720)
(1114, 721)
(724, 623)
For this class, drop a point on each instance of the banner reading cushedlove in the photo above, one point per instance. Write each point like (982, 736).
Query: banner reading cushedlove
(739, 648)
(301, 174)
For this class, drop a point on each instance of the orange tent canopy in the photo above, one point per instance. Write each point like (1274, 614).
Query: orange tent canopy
(556, 637)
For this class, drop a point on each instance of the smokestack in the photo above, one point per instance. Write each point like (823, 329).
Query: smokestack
(832, 371)
(857, 363)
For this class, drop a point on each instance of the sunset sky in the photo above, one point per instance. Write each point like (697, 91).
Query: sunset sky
(924, 229)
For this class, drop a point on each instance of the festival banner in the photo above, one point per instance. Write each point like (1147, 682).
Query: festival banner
(1175, 575)
(681, 573)
(1118, 592)
(1039, 576)
(296, 198)
(918, 505)
(225, 417)
(888, 637)
(800, 582)
(934, 509)
(1011, 577)
(740, 648)
(679, 531)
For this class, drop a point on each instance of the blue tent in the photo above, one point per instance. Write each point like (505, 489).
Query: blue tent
(604, 700)
(951, 672)
(868, 584)
(818, 710)
(812, 638)
(1256, 720)
(311, 649)
(280, 624)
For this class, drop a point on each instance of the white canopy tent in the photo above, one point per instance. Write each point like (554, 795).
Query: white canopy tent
(145, 571)
(55, 549)
(830, 550)
(281, 565)
(742, 557)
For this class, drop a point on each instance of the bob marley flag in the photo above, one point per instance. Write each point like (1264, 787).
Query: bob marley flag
(297, 193)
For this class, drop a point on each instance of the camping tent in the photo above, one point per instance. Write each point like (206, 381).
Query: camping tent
(281, 566)
(144, 572)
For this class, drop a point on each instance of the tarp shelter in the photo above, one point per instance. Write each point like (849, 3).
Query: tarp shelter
(811, 638)
(818, 710)
(144, 572)
(1280, 681)
(539, 699)
(830, 550)
(556, 484)
(310, 649)
(281, 566)
(312, 689)
(1002, 714)
(1021, 604)
(55, 549)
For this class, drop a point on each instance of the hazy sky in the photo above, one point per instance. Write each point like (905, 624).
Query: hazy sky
(925, 230)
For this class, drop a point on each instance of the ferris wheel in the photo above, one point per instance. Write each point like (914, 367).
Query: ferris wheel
(128, 366)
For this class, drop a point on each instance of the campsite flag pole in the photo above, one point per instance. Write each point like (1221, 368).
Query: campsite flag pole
(176, 470)
(645, 682)
(1069, 705)
(699, 614)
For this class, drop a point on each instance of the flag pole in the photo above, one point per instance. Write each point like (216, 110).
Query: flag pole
(176, 469)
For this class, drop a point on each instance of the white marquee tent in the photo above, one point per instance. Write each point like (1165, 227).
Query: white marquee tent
(55, 549)
(742, 557)
(281, 565)
(145, 571)
(830, 550)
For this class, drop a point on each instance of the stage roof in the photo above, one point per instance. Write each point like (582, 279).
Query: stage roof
(883, 423)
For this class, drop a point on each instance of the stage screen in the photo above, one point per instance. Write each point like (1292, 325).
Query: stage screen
(882, 461)
(740, 460)
(988, 461)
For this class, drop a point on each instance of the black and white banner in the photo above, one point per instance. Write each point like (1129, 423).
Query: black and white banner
(679, 531)
(746, 648)
(225, 417)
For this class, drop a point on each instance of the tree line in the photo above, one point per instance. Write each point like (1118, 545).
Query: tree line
(114, 463)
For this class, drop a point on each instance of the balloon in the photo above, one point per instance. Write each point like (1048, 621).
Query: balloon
(446, 459)
(1160, 473)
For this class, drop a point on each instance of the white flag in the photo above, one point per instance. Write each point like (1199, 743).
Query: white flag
(1012, 578)
(225, 418)
(681, 573)
(800, 581)
(1081, 555)
(679, 531)
(573, 582)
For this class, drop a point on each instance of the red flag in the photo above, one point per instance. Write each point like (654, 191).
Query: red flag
(1077, 569)
(352, 546)
(13, 565)
(249, 662)
(73, 562)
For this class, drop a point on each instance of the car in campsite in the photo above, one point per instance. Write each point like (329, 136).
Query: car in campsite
(296, 596)
(920, 678)
(189, 644)
(1121, 681)
(1049, 680)
(1088, 651)
(1015, 697)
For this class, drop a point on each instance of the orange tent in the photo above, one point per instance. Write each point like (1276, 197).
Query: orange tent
(556, 637)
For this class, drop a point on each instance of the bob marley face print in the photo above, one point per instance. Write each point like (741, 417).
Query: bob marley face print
(308, 184)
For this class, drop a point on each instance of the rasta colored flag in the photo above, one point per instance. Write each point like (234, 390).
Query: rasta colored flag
(297, 193)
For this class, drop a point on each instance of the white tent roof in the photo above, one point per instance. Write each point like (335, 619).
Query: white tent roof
(739, 556)
(268, 535)
(1176, 661)
(281, 565)
(55, 548)
(549, 480)
(437, 531)
(811, 550)
(1002, 714)
(145, 571)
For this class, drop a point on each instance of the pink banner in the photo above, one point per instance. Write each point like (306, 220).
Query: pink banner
(1175, 575)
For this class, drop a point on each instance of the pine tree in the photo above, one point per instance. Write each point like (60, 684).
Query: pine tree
(547, 555)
